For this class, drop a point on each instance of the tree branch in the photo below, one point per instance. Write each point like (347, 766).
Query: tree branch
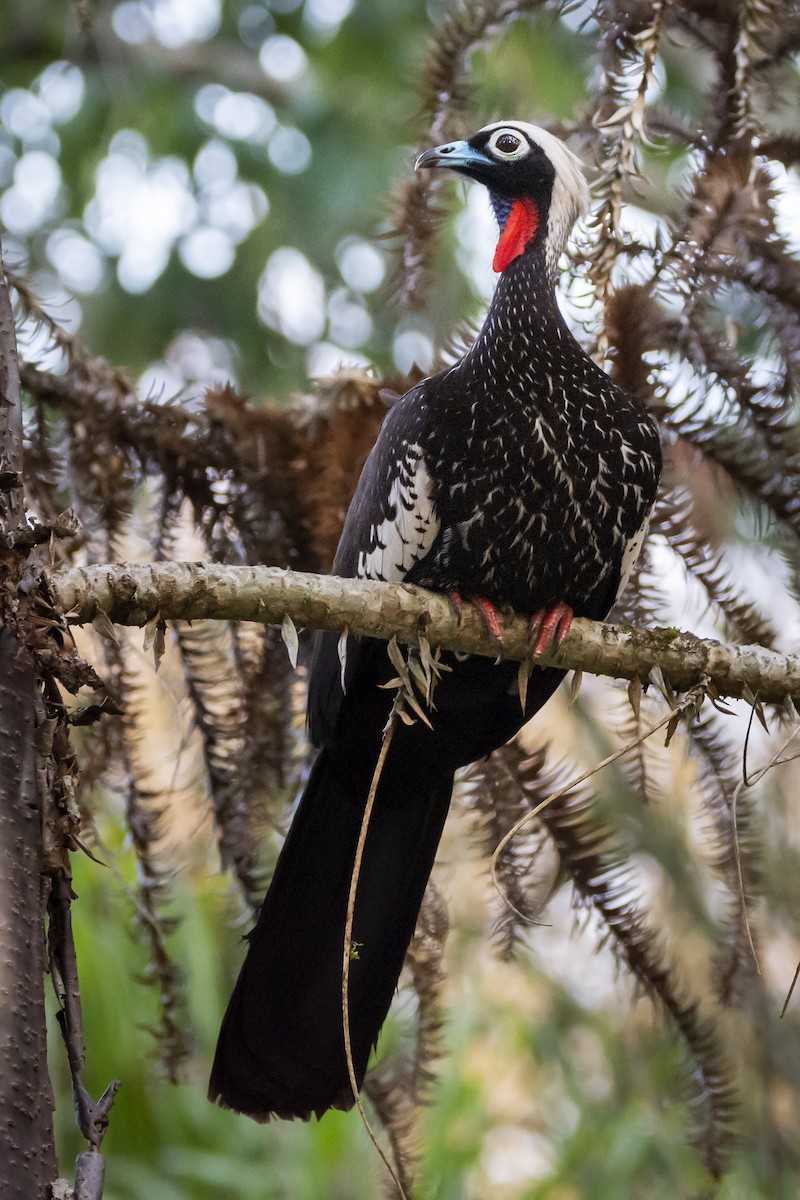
(137, 594)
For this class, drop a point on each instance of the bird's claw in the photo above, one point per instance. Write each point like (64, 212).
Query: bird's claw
(487, 611)
(548, 627)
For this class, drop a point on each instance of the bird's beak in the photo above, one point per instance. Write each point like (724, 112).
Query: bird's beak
(459, 156)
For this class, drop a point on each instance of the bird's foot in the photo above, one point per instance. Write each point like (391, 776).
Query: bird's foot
(456, 606)
(487, 611)
(489, 614)
(548, 627)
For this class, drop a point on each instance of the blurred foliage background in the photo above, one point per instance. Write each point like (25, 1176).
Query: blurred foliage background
(234, 164)
(203, 191)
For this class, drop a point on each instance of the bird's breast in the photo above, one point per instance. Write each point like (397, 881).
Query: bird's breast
(536, 506)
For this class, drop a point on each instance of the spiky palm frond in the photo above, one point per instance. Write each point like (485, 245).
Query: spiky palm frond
(734, 853)
(524, 873)
(740, 618)
(596, 860)
(144, 814)
(446, 95)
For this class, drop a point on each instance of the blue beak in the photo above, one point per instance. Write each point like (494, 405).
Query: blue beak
(457, 155)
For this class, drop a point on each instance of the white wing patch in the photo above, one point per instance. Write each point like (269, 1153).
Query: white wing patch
(630, 555)
(407, 533)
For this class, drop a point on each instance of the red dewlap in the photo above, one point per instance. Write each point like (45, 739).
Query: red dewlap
(520, 227)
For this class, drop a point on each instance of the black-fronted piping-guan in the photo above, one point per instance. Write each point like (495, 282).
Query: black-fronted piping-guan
(520, 476)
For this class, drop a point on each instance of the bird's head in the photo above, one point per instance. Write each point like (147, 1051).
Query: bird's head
(536, 185)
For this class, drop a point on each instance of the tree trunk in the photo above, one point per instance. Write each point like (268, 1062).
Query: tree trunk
(27, 1149)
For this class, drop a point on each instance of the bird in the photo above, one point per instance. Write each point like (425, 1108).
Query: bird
(520, 476)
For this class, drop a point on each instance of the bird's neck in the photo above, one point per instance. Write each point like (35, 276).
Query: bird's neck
(524, 320)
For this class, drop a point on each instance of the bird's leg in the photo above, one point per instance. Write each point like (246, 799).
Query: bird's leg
(487, 611)
(456, 606)
(548, 627)
(489, 614)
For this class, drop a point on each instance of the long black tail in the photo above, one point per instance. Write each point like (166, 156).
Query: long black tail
(281, 1047)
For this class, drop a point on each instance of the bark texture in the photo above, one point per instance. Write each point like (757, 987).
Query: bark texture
(27, 1150)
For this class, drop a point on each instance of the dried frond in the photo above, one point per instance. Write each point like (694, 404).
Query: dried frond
(259, 483)
(772, 277)
(630, 47)
(758, 21)
(673, 519)
(644, 600)
(394, 1108)
(783, 148)
(736, 850)
(143, 817)
(34, 313)
(525, 871)
(634, 326)
(747, 464)
(398, 1086)
(596, 862)
(336, 429)
(43, 458)
(456, 345)
(225, 457)
(425, 961)
(716, 414)
(272, 717)
(446, 104)
(418, 212)
(720, 203)
(214, 692)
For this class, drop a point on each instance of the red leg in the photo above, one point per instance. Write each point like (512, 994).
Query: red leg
(489, 614)
(549, 627)
(456, 604)
(485, 608)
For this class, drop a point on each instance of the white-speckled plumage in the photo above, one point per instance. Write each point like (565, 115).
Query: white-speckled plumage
(407, 531)
(523, 474)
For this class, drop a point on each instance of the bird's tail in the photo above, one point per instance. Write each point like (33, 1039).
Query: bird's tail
(281, 1047)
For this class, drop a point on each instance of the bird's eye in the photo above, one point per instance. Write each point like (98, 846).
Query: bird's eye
(507, 144)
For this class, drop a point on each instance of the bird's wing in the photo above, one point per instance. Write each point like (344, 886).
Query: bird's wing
(395, 537)
(630, 554)
(390, 527)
